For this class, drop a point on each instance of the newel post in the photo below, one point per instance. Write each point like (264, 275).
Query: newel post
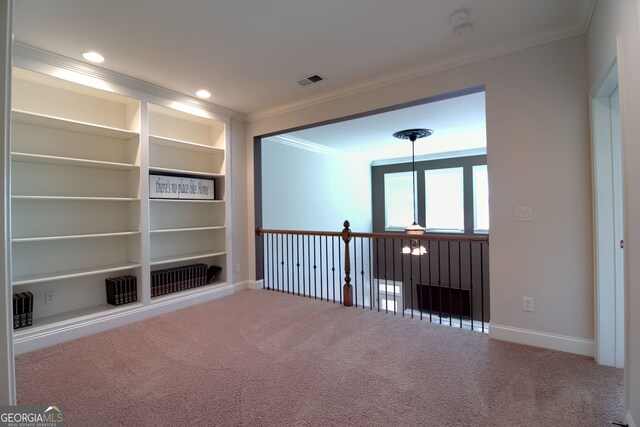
(347, 289)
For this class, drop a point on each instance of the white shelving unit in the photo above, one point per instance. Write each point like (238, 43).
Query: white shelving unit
(80, 209)
(75, 185)
(187, 231)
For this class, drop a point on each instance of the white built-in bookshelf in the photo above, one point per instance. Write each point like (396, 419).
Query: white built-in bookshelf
(80, 207)
(187, 230)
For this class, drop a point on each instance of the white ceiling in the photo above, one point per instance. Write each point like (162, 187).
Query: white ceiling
(249, 53)
(458, 125)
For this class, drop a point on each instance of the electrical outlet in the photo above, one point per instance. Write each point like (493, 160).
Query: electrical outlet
(48, 297)
(527, 304)
(238, 268)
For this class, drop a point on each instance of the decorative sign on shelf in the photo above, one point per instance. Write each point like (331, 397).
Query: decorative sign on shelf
(180, 187)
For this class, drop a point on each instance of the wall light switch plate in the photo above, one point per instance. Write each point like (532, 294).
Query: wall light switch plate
(527, 304)
(523, 213)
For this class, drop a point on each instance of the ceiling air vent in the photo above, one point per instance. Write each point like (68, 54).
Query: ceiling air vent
(315, 78)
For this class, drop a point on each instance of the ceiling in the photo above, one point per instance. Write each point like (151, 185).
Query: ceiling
(458, 125)
(250, 53)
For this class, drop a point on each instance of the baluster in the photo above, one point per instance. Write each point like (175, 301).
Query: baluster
(420, 286)
(340, 267)
(481, 286)
(298, 261)
(440, 282)
(347, 288)
(320, 268)
(471, 282)
(315, 269)
(370, 259)
(460, 279)
(386, 277)
(430, 287)
(393, 268)
(333, 266)
(326, 250)
(376, 291)
(355, 269)
(449, 279)
(362, 268)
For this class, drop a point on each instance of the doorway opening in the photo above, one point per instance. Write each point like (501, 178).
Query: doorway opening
(608, 223)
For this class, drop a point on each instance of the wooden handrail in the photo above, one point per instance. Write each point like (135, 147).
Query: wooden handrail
(260, 231)
(397, 236)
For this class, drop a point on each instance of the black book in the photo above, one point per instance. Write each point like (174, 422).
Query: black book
(23, 310)
(127, 289)
(110, 285)
(29, 308)
(135, 289)
(164, 282)
(119, 294)
(16, 311)
(154, 284)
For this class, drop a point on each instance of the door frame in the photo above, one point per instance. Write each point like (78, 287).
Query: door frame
(608, 205)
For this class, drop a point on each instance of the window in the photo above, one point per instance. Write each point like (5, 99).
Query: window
(444, 199)
(389, 296)
(480, 199)
(452, 195)
(398, 190)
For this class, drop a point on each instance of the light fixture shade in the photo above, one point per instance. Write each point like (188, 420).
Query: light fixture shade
(414, 230)
(413, 247)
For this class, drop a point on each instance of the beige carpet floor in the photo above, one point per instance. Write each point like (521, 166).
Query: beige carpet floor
(261, 358)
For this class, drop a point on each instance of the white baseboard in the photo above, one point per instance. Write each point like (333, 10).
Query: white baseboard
(255, 284)
(542, 339)
(47, 335)
(630, 420)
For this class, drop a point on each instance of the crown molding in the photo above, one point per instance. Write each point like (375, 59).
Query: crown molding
(304, 144)
(435, 156)
(492, 51)
(42, 60)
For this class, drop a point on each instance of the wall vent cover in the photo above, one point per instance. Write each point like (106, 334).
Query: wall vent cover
(314, 78)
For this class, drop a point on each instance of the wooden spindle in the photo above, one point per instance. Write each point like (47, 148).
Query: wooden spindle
(347, 289)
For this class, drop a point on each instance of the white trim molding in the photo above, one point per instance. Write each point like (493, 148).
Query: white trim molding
(542, 339)
(303, 144)
(256, 284)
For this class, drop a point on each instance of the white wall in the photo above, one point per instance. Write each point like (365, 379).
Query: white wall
(308, 190)
(238, 221)
(538, 156)
(614, 32)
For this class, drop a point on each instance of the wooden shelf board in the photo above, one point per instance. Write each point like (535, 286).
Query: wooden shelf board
(74, 236)
(43, 120)
(185, 201)
(70, 161)
(185, 172)
(185, 145)
(178, 230)
(70, 274)
(82, 314)
(78, 198)
(185, 257)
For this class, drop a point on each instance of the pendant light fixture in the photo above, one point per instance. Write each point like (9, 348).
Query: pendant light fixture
(413, 246)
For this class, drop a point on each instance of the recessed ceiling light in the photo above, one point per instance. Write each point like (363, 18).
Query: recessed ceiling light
(203, 93)
(93, 57)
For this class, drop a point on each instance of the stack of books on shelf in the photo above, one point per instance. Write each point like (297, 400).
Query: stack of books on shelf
(177, 279)
(22, 310)
(122, 290)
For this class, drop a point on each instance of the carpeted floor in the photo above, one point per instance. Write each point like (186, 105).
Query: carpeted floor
(260, 358)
